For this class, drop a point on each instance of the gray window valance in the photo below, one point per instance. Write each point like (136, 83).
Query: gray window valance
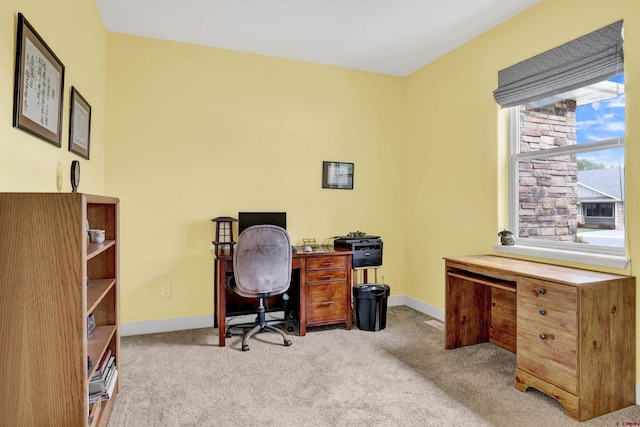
(589, 59)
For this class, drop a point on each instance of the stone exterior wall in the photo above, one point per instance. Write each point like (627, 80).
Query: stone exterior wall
(548, 188)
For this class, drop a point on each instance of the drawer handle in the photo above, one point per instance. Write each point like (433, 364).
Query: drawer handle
(327, 264)
(542, 312)
(543, 337)
(542, 291)
(327, 302)
(327, 276)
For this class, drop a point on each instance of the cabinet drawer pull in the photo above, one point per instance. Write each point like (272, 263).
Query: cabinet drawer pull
(543, 312)
(542, 291)
(327, 302)
(327, 264)
(327, 276)
(543, 337)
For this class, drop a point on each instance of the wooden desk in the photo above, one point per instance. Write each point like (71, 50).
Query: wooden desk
(322, 293)
(573, 330)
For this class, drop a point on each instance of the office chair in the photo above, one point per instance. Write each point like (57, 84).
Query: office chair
(262, 268)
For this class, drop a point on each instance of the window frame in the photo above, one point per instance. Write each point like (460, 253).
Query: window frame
(566, 251)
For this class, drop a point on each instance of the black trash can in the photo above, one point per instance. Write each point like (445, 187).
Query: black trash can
(371, 306)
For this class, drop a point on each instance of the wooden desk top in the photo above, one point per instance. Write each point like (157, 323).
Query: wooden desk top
(300, 253)
(320, 250)
(509, 268)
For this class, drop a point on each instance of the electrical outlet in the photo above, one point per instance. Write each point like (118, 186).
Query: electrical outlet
(166, 291)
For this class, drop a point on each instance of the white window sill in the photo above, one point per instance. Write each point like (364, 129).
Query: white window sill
(570, 256)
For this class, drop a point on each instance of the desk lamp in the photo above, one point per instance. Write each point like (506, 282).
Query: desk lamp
(224, 235)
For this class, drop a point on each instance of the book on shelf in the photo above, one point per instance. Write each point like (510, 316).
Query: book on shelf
(108, 391)
(103, 364)
(99, 384)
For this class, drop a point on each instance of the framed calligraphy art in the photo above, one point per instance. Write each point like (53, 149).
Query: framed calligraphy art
(337, 175)
(39, 82)
(79, 124)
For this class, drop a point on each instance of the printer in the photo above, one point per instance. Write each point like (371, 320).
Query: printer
(367, 250)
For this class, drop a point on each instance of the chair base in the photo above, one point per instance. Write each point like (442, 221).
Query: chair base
(261, 325)
(262, 328)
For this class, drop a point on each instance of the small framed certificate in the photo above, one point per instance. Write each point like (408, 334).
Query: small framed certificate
(338, 175)
(79, 124)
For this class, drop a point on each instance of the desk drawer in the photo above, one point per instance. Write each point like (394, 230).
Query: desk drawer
(548, 295)
(541, 316)
(338, 262)
(327, 302)
(316, 276)
(540, 359)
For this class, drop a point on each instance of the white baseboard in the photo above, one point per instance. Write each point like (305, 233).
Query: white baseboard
(165, 325)
(196, 322)
(420, 306)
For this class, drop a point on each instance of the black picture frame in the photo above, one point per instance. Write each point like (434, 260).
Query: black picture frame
(79, 124)
(337, 175)
(38, 86)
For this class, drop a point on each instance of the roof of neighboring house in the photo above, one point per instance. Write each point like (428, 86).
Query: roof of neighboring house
(604, 183)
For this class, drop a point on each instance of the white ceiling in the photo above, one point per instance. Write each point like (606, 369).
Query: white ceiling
(395, 37)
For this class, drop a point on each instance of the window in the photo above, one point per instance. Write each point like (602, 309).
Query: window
(604, 210)
(566, 169)
(566, 148)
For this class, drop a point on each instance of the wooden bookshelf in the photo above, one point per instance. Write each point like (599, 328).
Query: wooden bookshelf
(51, 280)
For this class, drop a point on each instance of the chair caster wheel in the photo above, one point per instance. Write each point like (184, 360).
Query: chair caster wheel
(287, 343)
(245, 348)
(290, 329)
(228, 335)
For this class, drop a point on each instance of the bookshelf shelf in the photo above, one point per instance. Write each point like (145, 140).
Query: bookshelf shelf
(46, 261)
(95, 249)
(96, 291)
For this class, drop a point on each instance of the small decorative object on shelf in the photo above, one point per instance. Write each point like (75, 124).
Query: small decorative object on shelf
(91, 324)
(96, 235)
(75, 175)
(224, 235)
(506, 238)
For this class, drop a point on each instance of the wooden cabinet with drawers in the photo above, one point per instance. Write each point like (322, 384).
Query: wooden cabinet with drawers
(574, 329)
(328, 289)
(576, 342)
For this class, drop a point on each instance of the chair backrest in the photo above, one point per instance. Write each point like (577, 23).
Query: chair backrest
(262, 261)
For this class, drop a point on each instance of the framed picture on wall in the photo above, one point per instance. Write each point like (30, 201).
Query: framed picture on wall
(337, 175)
(38, 86)
(79, 124)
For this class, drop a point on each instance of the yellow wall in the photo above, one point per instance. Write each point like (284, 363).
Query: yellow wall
(195, 133)
(461, 145)
(74, 31)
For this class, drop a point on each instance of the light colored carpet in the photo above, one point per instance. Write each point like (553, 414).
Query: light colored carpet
(400, 376)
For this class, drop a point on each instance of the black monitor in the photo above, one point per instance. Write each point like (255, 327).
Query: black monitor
(247, 219)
